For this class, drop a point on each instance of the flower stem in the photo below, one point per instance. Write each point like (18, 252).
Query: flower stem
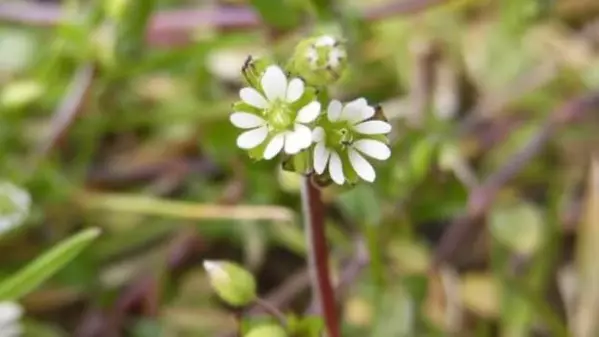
(318, 257)
(272, 311)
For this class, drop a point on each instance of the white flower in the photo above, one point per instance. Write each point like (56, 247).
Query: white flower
(10, 315)
(14, 206)
(332, 53)
(346, 136)
(276, 116)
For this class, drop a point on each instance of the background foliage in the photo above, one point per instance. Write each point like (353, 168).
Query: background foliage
(114, 114)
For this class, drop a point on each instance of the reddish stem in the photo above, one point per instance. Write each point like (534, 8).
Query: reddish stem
(318, 256)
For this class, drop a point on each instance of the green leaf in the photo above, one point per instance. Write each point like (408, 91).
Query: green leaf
(277, 14)
(42, 268)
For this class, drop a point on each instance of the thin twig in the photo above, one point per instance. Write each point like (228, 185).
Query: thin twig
(318, 255)
(271, 310)
(481, 197)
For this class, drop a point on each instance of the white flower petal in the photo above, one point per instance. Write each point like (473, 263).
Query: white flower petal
(361, 166)
(252, 97)
(291, 143)
(10, 311)
(251, 139)
(274, 83)
(335, 57)
(373, 148)
(362, 114)
(321, 157)
(295, 90)
(334, 110)
(336, 169)
(308, 113)
(325, 40)
(303, 136)
(312, 56)
(318, 134)
(351, 111)
(245, 120)
(274, 146)
(373, 128)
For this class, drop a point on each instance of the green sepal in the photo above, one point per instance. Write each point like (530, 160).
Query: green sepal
(299, 163)
(241, 106)
(257, 153)
(253, 69)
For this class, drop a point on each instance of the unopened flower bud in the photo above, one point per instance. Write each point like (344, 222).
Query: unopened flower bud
(233, 284)
(269, 330)
(320, 60)
(253, 69)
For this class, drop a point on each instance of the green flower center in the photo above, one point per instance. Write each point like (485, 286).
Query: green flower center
(280, 116)
(339, 135)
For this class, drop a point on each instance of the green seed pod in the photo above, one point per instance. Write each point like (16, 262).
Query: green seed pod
(320, 60)
(233, 284)
(269, 330)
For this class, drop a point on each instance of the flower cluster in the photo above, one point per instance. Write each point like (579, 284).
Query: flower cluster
(282, 112)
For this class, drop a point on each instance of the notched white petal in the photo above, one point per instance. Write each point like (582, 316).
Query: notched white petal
(352, 110)
(303, 136)
(245, 120)
(308, 113)
(318, 134)
(291, 143)
(274, 83)
(334, 110)
(362, 114)
(295, 90)
(321, 157)
(373, 128)
(252, 97)
(361, 166)
(274, 146)
(251, 139)
(373, 148)
(336, 169)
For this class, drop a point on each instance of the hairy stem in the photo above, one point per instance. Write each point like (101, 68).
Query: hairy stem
(318, 256)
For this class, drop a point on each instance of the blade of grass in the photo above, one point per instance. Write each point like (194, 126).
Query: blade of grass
(585, 318)
(42, 268)
(180, 209)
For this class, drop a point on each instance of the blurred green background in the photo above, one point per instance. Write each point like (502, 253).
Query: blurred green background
(484, 222)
